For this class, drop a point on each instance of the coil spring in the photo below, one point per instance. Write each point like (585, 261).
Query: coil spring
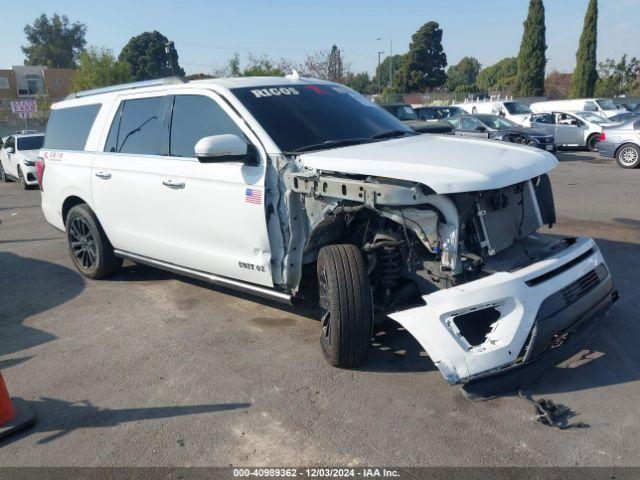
(389, 267)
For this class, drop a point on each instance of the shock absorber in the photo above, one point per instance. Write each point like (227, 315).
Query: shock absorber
(389, 259)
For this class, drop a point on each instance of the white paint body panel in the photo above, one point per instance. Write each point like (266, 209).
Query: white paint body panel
(444, 163)
(520, 305)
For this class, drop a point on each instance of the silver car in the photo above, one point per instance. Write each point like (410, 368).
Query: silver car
(622, 142)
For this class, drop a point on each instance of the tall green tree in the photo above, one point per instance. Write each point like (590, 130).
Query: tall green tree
(500, 77)
(360, 82)
(585, 76)
(148, 59)
(532, 60)
(382, 71)
(335, 69)
(99, 68)
(54, 42)
(464, 74)
(424, 64)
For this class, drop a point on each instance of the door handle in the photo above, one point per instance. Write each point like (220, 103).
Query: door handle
(173, 184)
(103, 175)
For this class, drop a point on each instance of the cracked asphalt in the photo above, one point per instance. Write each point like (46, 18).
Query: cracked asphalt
(149, 368)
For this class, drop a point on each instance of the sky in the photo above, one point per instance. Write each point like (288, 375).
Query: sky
(208, 33)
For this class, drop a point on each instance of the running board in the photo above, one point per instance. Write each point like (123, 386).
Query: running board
(249, 288)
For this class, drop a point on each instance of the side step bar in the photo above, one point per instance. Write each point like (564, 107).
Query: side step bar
(249, 288)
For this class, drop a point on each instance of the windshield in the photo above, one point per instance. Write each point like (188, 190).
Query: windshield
(30, 143)
(497, 123)
(300, 116)
(516, 108)
(593, 117)
(605, 104)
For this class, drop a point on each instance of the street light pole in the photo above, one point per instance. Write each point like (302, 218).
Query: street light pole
(379, 84)
(390, 57)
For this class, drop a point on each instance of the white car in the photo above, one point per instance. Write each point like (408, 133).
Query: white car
(276, 186)
(18, 158)
(572, 129)
(599, 106)
(513, 110)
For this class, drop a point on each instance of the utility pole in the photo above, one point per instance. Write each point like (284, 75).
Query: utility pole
(379, 73)
(168, 49)
(390, 57)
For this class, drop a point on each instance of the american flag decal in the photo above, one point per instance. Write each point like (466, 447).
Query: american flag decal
(252, 195)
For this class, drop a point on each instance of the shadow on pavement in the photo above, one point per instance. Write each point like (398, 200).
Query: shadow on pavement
(29, 287)
(62, 417)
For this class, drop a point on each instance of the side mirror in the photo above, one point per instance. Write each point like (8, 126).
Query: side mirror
(480, 128)
(10, 150)
(224, 148)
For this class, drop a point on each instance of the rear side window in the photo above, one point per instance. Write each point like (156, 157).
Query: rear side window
(195, 117)
(137, 127)
(68, 128)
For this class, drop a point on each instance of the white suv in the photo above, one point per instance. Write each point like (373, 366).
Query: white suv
(278, 186)
(18, 158)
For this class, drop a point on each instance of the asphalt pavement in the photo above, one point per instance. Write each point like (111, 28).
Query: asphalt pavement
(151, 369)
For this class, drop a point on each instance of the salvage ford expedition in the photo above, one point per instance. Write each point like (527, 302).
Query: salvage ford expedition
(278, 186)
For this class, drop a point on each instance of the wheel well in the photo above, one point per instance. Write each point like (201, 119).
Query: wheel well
(625, 145)
(68, 204)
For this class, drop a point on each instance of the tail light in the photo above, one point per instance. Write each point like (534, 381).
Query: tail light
(603, 136)
(40, 171)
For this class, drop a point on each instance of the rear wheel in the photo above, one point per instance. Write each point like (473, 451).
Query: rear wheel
(628, 156)
(346, 305)
(89, 247)
(592, 142)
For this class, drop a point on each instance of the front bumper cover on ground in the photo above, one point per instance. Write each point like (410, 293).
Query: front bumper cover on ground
(542, 309)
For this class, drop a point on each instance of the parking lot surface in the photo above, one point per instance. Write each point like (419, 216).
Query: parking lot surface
(149, 368)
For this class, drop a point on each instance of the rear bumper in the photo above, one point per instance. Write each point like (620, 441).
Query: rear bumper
(537, 308)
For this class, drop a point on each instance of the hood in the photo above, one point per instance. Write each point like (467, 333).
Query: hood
(446, 164)
(29, 154)
(520, 118)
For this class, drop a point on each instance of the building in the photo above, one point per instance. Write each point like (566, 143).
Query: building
(38, 85)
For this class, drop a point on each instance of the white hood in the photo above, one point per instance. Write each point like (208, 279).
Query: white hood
(446, 164)
(29, 154)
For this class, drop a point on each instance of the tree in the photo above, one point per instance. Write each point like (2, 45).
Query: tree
(424, 64)
(585, 75)
(334, 65)
(463, 76)
(99, 68)
(531, 59)
(148, 59)
(617, 78)
(360, 82)
(500, 77)
(263, 66)
(557, 85)
(54, 42)
(382, 72)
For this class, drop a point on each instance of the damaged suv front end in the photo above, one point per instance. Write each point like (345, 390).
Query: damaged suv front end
(451, 232)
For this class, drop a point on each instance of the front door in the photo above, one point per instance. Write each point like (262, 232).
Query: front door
(9, 159)
(159, 201)
(568, 130)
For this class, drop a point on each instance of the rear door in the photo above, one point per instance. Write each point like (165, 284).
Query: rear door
(157, 200)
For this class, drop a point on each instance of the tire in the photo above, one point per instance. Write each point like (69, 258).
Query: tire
(3, 175)
(21, 179)
(628, 156)
(346, 304)
(89, 247)
(592, 142)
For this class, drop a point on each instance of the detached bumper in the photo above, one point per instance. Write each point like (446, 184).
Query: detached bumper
(501, 332)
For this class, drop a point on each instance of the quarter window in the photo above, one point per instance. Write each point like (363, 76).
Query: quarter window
(195, 117)
(137, 127)
(68, 128)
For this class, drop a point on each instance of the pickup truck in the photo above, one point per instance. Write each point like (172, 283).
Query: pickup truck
(281, 186)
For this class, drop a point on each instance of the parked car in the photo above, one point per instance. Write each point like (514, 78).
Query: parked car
(601, 106)
(407, 114)
(622, 142)
(515, 111)
(624, 117)
(572, 129)
(499, 128)
(326, 188)
(18, 158)
(438, 113)
(627, 105)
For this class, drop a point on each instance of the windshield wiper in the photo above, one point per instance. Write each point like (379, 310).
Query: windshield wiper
(344, 142)
(392, 134)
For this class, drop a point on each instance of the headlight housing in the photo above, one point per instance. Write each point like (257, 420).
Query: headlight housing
(30, 163)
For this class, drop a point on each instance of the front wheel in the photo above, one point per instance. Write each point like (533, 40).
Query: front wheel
(3, 175)
(346, 304)
(592, 142)
(628, 156)
(21, 179)
(89, 246)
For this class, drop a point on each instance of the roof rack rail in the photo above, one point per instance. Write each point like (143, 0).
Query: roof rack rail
(128, 86)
